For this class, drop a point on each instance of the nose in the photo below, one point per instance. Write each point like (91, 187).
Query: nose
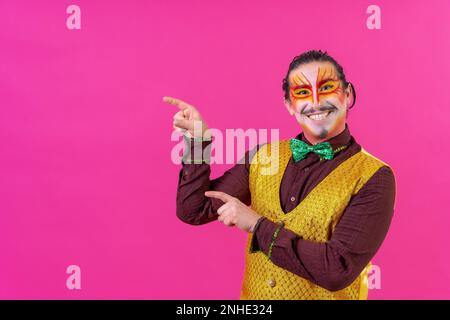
(315, 100)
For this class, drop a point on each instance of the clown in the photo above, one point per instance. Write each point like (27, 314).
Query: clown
(315, 223)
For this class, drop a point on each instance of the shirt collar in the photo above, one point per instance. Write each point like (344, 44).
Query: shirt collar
(342, 139)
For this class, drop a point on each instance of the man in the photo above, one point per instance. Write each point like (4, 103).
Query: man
(317, 221)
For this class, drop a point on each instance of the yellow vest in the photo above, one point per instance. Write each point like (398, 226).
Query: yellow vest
(314, 219)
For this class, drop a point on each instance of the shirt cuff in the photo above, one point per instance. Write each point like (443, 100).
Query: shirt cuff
(262, 235)
(197, 150)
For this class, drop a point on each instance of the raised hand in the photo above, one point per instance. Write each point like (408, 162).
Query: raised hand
(188, 119)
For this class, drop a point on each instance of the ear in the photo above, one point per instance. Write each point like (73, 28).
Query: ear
(349, 95)
(289, 107)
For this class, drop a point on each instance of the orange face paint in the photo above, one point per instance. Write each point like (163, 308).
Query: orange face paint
(327, 83)
(316, 88)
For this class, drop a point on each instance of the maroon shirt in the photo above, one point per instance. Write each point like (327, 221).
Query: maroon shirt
(334, 264)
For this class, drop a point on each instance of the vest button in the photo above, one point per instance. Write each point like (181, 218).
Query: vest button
(271, 282)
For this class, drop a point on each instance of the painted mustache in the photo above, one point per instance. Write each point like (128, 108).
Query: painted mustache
(317, 111)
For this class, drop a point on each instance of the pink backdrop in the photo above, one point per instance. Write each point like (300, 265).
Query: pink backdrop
(86, 176)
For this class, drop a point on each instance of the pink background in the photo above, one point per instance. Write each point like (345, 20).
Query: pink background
(86, 176)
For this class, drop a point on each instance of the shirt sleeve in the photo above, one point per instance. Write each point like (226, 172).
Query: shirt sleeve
(335, 264)
(192, 206)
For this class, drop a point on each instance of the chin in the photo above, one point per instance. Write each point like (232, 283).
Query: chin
(318, 132)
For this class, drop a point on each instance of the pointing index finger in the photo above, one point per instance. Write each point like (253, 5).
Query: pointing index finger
(176, 102)
(219, 195)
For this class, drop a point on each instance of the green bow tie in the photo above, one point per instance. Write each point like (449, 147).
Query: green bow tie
(300, 149)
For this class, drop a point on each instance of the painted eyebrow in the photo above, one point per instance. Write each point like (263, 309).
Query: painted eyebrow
(307, 86)
(326, 80)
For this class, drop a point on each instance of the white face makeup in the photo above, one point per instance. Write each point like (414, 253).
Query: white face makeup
(318, 100)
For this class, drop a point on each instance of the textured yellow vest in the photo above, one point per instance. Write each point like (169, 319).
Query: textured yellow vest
(313, 219)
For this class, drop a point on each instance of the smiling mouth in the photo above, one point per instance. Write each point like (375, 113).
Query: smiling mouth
(319, 116)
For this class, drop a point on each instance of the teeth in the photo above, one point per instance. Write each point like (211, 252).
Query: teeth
(319, 116)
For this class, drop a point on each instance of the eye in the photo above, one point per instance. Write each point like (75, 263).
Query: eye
(327, 87)
(302, 92)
